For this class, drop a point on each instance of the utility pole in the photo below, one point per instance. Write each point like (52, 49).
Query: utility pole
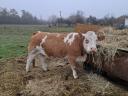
(60, 19)
(60, 15)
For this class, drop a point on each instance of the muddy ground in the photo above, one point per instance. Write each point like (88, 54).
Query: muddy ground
(58, 81)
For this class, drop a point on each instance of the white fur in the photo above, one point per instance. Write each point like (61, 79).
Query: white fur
(42, 61)
(74, 72)
(40, 50)
(43, 40)
(81, 58)
(91, 37)
(57, 35)
(36, 51)
(69, 40)
(30, 58)
(39, 31)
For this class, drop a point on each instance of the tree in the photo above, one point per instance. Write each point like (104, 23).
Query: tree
(14, 17)
(53, 20)
(91, 20)
(77, 18)
(4, 15)
(26, 17)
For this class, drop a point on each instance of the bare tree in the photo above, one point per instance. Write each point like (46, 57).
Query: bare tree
(52, 20)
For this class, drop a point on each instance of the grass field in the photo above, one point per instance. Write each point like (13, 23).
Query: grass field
(14, 38)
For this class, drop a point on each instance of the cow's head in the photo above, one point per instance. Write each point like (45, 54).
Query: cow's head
(90, 40)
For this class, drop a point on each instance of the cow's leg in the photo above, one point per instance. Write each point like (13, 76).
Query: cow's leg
(33, 63)
(74, 71)
(31, 56)
(42, 61)
(72, 61)
(30, 59)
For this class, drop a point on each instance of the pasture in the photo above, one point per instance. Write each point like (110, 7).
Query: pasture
(14, 38)
(56, 82)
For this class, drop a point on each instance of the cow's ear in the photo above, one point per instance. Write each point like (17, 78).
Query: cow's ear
(100, 38)
(100, 35)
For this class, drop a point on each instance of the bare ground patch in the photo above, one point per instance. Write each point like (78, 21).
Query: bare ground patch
(58, 81)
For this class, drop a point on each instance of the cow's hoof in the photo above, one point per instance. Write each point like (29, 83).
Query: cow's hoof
(76, 77)
(46, 70)
(35, 66)
(28, 71)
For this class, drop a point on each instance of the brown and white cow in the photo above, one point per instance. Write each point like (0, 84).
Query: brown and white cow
(74, 46)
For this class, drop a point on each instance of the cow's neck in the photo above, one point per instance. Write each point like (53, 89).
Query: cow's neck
(81, 44)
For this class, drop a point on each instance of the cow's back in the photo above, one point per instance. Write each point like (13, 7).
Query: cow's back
(54, 44)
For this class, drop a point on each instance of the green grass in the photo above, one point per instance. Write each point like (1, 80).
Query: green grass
(14, 38)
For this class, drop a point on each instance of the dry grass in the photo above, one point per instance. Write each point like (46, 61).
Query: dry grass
(105, 55)
(117, 37)
(56, 82)
(101, 87)
(114, 39)
(11, 78)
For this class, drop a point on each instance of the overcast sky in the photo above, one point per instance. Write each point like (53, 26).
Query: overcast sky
(46, 8)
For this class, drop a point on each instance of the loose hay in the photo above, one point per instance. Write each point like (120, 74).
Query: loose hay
(106, 52)
(53, 82)
(119, 37)
(105, 55)
(10, 83)
(55, 86)
(11, 79)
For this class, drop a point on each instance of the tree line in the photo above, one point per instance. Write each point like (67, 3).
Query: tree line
(79, 17)
(11, 16)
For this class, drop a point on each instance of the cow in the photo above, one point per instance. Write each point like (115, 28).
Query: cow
(73, 46)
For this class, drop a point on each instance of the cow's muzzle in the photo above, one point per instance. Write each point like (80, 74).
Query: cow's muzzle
(94, 50)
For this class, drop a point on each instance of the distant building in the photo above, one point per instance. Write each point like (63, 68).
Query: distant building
(126, 22)
(121, 22)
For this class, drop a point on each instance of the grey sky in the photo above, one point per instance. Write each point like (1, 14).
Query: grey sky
(46, 8)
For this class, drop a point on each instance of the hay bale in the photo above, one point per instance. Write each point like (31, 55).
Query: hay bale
(86, 27)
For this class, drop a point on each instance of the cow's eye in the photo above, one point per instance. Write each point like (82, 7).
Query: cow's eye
(87, 41)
